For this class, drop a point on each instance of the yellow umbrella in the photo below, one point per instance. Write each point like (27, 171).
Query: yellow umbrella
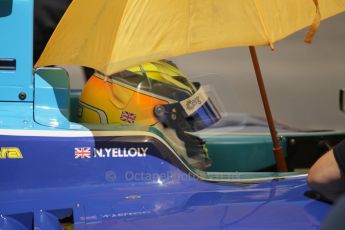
(112, 35)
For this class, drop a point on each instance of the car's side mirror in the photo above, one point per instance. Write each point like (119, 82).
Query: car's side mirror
(342, 100)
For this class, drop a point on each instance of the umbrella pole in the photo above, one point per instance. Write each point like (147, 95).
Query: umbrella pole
(277, 149)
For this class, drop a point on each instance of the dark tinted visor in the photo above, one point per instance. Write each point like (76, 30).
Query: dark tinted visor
(199, 110)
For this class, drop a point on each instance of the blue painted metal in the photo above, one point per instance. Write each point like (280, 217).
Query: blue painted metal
(16, 26)
(119, 193)
(151, 191)
(52, 97)
(10, 223)
(16, 115)
(46, 220)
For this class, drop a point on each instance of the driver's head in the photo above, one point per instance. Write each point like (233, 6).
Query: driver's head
(149, 94)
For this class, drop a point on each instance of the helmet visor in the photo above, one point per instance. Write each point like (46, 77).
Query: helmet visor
(200, 110)
(192, 114)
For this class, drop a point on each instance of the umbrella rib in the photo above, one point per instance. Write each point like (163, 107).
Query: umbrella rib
(263, 24)
(316, 23)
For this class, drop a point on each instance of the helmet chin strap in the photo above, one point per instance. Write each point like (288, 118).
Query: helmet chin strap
(187, 151)
(195, 145)
(171, 116)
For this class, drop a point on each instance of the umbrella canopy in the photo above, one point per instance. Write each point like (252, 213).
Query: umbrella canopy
(110, 36)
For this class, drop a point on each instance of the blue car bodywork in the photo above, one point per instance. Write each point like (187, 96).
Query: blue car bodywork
(58, 173)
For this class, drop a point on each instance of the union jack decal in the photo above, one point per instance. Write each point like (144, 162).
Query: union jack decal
(127, 116)
(83, 152)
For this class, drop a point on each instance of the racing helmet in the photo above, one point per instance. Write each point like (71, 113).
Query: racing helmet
(148, 94)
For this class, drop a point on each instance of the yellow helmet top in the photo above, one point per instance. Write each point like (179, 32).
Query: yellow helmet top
(131, 95)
